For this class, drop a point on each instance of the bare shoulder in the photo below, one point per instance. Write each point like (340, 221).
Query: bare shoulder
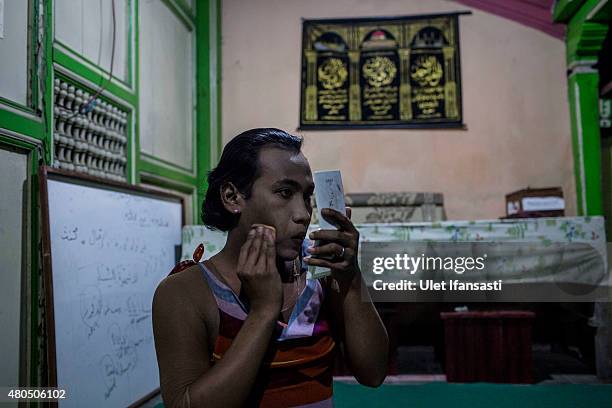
(186, 291)
(182, 332)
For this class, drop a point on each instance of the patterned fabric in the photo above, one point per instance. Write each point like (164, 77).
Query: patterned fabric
(536, 246)
(297, 369)
(393, 207)
(561, 249)
(398, 199)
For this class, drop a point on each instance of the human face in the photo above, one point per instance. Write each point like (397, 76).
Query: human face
(280, 197)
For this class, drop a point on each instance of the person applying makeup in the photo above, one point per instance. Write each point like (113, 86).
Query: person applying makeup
(246, 327)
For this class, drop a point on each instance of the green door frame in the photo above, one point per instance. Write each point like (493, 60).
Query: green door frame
(208, 88)
(30, 128)
(33, 149)
(587, 25)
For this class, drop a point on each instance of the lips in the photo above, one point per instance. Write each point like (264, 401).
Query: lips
(299, 236)
(298, 239)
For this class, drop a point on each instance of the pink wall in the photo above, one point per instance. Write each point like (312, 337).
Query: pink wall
(514, 97)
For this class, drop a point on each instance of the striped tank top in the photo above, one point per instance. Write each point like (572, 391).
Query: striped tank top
(297, 368)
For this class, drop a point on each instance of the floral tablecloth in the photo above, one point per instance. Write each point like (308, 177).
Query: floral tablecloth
(529, 248)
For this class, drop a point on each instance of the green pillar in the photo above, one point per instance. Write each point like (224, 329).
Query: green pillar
(587, 25)
(583, 89)
(208, 114)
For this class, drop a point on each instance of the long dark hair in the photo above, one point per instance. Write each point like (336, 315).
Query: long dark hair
(239, 165)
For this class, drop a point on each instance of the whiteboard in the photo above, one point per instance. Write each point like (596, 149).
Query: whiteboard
(109, 250)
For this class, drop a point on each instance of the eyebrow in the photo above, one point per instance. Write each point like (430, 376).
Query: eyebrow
(293, 183)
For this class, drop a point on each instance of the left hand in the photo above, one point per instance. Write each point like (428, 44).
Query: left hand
(340, 245)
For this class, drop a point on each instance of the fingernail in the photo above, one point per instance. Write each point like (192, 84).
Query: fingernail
(311, 235)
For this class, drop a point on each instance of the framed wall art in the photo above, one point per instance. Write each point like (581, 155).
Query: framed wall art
(391, 72)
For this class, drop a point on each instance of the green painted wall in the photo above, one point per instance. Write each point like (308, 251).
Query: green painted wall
(30, 127)
(583, 98)
(587, 25)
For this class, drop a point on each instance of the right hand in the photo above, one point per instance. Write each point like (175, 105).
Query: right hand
(257, 271)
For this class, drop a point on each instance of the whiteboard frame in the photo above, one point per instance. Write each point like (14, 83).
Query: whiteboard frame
(47, 173)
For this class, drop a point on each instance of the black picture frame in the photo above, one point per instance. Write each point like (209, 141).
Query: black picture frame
(400, 72)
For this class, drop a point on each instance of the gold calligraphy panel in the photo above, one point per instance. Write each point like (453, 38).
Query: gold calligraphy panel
(381, 72)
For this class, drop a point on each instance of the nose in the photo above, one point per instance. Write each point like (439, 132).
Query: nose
(302, 213)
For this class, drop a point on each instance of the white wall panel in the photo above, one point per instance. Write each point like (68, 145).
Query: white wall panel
(166, 84)
(86, 26)
(14, 165)
(14, 51)
(69, 23)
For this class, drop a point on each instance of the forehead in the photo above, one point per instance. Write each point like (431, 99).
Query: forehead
(278, 164)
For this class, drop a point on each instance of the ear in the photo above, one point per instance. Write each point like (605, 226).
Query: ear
(232, 199)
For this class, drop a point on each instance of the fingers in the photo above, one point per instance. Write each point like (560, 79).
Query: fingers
(270, 227)
(338, 219)
(258, 253)
(254, 252)
(244, 251)
(333, 250)
(343, 238)
(267, 257)
(271, 250)
(349, 211)
(327, 263)
(262, 261)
